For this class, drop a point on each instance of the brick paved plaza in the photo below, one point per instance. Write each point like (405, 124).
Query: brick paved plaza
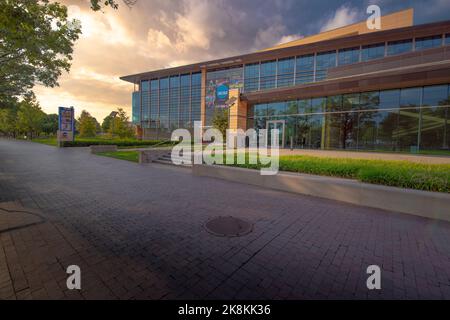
(137, 233)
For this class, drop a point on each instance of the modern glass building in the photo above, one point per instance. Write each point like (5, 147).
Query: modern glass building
(348, 89)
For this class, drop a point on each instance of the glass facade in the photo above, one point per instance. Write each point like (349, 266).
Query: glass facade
(324, 61)
(285, 72)
(372, 51)
(136, 107)
(428, 42)
(408, 120)
(251, 75)
(168, 103)
(392, 119)
(196, 98)
(145, 112)
(399, 47)
(348, 56)
(154, 103)
(174, 102)
(268, 73)
(305, 69)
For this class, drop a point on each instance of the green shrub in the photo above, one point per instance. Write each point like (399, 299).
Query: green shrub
(402, 174)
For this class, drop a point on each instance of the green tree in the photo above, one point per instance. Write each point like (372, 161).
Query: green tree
(220, 121)
(30, 118)
(8, 121)
(121, 126)
(106, 124)
(87, 125)
(50, 124)
(36, 45)
(96, 5)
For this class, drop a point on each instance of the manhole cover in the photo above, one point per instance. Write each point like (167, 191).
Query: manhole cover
(228, 227)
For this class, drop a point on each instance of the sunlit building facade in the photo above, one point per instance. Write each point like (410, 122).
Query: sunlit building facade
(346, 89)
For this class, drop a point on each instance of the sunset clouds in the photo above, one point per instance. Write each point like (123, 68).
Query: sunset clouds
(157, 34)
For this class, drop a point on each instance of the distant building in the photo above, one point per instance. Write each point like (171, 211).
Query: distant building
(349, 88)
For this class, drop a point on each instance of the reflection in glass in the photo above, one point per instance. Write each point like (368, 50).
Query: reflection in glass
(268, 75)
(286, 68)
(398, 47)
(305, 69)
(428, 42)
(348, 56)
(372, 51)
(325, 61)
(251, 77)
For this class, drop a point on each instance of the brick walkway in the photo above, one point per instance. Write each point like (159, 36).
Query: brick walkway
(136, 232)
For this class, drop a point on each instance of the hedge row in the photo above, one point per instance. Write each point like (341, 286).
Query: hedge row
(402, 174)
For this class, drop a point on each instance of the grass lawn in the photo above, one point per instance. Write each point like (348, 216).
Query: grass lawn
(402, 174)
(132, 156)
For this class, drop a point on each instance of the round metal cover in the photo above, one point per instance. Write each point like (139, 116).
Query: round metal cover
(228, 227)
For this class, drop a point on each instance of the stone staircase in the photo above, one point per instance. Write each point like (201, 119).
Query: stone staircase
(167, 160)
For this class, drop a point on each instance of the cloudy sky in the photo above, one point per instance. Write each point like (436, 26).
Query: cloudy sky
(155, 34)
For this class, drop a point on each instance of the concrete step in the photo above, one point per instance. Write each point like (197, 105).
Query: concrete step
(170, 163)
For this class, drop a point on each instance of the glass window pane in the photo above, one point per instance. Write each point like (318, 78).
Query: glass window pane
(174, 102)
(376, 130)
(136, 107)
(369, 100)
(318, 105)
(305, 69)
(434, 96)
(145, 95)
(398, 47)
(285, 75)
(350, 102)
(261, 110)
(292, 107)
(196, 97)
(251, 75)
(372, 51)
(268, 74)
(325, 61)
(154, 103)
(348, 56)
(389, 99)
(276, 109)
(341, 130)
(304, 106)
(428, 42)
(185, 99)
(334, 104)
(410, 98)
(447, 38)
(164, 103)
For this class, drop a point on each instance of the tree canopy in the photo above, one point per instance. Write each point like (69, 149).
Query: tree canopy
(36, 45)
(96, 5)
(87, 125)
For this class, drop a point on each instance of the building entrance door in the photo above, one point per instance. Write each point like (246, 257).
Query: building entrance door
(273, 125)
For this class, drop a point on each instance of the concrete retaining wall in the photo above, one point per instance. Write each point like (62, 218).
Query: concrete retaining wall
(421, 203)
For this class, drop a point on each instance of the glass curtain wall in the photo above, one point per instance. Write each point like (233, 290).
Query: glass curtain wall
(145, 94)
(407, 120)
(174, 102)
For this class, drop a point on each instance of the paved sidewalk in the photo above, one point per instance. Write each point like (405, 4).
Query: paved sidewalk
(137, 233)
